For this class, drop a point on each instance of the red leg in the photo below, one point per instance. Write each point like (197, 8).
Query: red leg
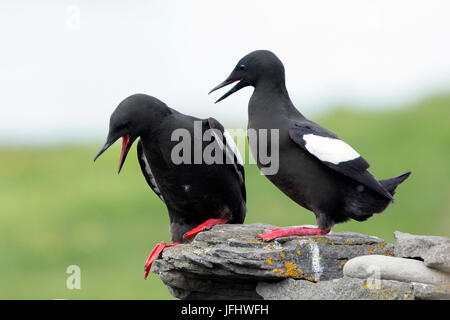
(298, 231)
(208, 224)
(155, 254)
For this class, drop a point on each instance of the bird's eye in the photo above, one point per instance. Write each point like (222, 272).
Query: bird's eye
(242, 67)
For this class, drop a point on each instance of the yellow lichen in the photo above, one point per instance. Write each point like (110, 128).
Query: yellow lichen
(442, 288)
(269, 261)
(282, 255)
(324, 240)
(291, 270)
(299, 252)
(365, 284)
(371, 250)
(280, 271)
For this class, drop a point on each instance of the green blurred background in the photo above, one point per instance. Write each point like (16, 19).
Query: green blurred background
(362, 69)
(59, 209)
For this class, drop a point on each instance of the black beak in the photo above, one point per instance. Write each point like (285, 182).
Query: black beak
(126, 145)
(103, 149)
(230, 80)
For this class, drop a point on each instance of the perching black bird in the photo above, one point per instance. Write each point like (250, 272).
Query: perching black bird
(316, 169)
(174, 161)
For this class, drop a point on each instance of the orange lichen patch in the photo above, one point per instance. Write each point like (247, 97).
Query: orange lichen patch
(443, 288)
(323, 240)
(382, 247)
(270, 247)
(280, 271)
(254, 240)
(282, 255)
(299, 252)
(269, 261)
(299, 270)
(365, 284)
(371, 250)
(291, 271)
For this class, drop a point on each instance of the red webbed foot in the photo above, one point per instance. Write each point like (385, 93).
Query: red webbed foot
(297, 231)
(208, 224)
(156, 254)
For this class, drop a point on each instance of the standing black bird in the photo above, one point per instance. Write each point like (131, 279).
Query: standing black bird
(193, 190)
(316, 169)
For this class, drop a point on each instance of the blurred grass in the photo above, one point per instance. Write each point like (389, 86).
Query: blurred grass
(58, 209)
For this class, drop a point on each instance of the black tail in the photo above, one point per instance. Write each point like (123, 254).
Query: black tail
(392, 183)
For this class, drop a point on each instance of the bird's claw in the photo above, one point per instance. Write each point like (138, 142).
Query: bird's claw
(156, 254)
(208, 224)
(298, 231)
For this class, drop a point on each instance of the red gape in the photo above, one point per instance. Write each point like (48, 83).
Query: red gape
(125, 140)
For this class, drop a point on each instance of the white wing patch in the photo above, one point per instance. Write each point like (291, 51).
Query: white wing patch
(152, 178)
(329, 149)
(234, 148)
(230, 145)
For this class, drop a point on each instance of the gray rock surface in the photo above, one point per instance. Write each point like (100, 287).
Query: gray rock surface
(433, 250)
(228, 261)
(394, 268)
(347, 288)
(438, 257)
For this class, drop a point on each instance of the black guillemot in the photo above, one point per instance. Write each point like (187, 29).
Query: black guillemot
(198, 195)
(316, 169)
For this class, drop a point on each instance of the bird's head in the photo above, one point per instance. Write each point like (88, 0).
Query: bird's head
(255, 68)
(132, 117)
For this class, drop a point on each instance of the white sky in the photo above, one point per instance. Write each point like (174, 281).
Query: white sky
(65, 65)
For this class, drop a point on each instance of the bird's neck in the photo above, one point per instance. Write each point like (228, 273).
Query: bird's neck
(268, 85)
(151, 121)
(271, 97)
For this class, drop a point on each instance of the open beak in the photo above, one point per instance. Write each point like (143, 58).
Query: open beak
(227, 82)
(126, 145)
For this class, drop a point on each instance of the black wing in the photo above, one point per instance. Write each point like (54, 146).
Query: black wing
(231, 151)
(336, 154)
(147, 172)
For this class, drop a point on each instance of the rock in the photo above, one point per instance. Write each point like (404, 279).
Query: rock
(228, 261)
(433, 250)
(424, 291)
(438, 257)
(394, 268)
(337, 289)
(347, 288)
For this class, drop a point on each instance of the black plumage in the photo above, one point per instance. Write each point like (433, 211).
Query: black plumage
(193, 193)
(316, 169)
